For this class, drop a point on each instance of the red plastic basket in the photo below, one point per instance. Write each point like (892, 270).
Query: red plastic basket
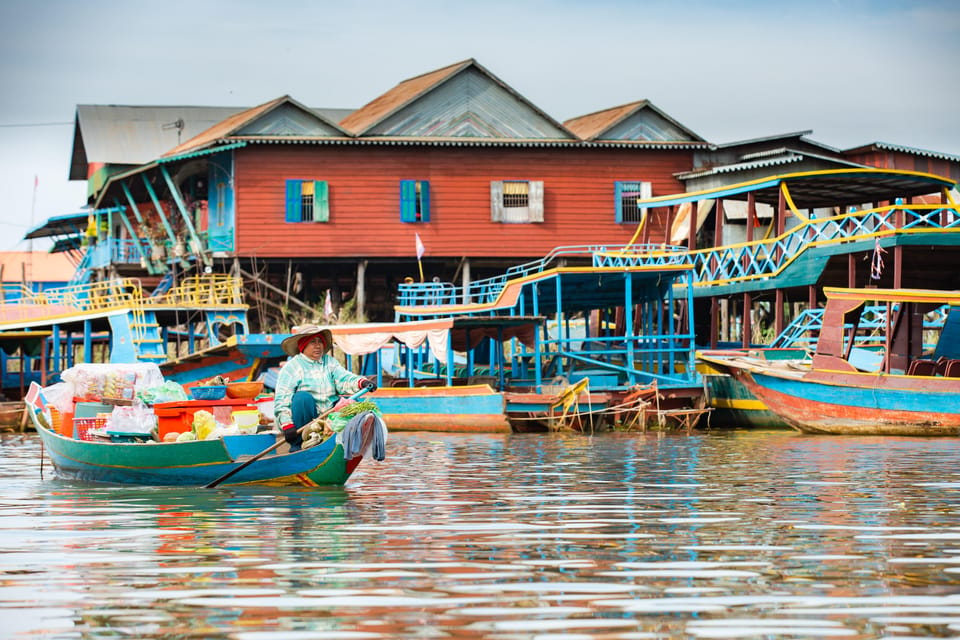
(82, 427)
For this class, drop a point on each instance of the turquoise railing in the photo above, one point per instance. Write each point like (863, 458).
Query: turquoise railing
(764, 258)
(805, 328)
(719, 265)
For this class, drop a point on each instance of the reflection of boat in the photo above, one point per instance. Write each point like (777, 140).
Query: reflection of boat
(846, 390)
(198, 463)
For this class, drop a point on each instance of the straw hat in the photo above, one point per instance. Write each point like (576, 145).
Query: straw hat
(289, 344)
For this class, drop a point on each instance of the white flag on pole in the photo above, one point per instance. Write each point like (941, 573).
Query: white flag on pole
(420, 248)
(328, 306)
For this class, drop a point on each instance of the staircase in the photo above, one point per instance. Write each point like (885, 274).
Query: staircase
(137, 337)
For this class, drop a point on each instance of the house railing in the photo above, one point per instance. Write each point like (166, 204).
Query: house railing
(715, 266)
(205, 291)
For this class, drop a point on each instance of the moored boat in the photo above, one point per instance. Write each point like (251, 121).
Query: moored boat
(904, 390)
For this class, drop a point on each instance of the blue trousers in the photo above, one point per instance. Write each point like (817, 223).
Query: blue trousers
(303, 408)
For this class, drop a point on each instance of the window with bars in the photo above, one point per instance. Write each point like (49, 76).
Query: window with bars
(307, 201)
(414, 201)
(516, 201)
(626, 195)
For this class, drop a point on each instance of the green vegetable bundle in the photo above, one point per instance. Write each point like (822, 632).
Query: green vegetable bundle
(357, 408)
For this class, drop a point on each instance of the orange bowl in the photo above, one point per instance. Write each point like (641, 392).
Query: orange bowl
(244, 389)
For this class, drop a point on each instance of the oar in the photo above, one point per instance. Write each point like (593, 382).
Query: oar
(275, 445)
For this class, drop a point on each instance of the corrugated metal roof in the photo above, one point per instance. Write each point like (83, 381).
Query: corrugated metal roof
(819, 188)
(401, 95)
(133, 135)
(636, 121)
(763, 159)
(591, 125)
(240, 120)
(778, 136)
(117, 134)
(492, 113)
(470, 142)
(886, 146)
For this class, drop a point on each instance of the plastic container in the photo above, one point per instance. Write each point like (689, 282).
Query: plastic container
(61, 423)
(247, 420)
(244, 389)
(211, 392)
(83, 426)
(178, 416)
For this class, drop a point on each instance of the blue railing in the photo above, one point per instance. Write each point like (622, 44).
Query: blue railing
(804, 331)
(719, 265)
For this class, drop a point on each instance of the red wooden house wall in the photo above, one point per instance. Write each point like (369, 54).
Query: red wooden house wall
(364, 196)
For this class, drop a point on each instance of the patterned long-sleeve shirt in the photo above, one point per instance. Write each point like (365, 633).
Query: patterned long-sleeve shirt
(325, 379)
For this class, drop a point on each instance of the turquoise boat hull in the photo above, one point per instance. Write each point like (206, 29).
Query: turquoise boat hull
(196, 463)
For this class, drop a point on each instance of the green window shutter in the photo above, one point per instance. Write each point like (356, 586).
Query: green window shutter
(408, 201)
(293, 201)
(424, 201)
(618, 200)
(321, 201)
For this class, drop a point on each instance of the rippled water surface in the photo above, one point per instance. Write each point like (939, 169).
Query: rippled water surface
(718, 535)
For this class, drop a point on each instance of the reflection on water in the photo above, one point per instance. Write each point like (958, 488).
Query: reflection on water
(718, 535)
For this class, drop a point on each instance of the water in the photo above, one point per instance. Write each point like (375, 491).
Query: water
(717, 535)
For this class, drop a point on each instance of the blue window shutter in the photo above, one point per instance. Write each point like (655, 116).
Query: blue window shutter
(408, 204)
(293, 201)
(321, 201)
(425, 201)
(618, 200)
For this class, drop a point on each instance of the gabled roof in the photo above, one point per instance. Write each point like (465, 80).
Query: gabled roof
(290, 118)
(462, 100)
(886, 146)
(784, 138)
(133, 135)
(766, 159)
(639, 121)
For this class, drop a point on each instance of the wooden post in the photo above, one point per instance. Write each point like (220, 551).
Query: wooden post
(779, 321)
(465, 275)
(718, 224)
(725, 320)
(747, 323)
(851, 271)
(361, 289)
(751, 215)
(714, 308)
(692, 231)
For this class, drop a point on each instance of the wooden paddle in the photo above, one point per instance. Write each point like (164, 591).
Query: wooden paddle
(275, 445)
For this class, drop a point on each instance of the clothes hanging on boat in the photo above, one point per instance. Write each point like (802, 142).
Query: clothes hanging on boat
(351, 438)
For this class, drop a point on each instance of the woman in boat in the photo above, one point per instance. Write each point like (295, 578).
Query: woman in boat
(311, 381)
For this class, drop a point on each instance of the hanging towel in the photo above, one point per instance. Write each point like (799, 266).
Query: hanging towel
(351, 438)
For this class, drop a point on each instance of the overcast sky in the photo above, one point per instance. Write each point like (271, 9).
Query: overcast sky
(853, 71)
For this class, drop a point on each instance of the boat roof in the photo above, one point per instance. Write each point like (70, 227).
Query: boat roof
(893, 295)
(824, 188)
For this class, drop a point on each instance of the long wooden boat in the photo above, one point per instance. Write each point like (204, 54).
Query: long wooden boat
(198, 463)
(911, 393)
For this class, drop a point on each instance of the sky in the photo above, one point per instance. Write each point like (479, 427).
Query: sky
(852, 71)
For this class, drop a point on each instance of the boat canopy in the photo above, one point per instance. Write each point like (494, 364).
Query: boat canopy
(814, 189)
(461, 334)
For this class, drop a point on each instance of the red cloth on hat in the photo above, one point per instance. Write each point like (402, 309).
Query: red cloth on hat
(302, 342)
